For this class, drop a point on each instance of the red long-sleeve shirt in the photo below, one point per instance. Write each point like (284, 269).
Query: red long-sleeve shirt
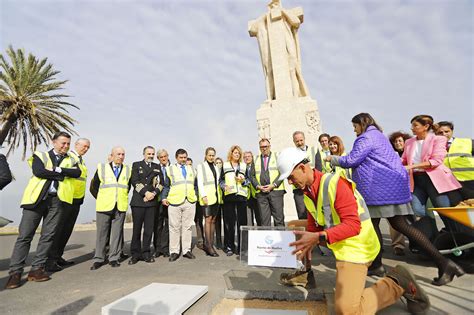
(345, 205)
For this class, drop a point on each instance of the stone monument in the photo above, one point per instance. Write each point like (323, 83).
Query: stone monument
(289, 106)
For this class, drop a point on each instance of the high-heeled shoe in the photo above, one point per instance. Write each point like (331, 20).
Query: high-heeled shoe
(452, 269)
(210, 251)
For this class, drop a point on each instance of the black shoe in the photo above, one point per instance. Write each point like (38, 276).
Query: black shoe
(229, 252)
(210, 251)
(158, 254)
(114, 264)
(189, 255)
(398, 251)
(133, 261)
(378, 272)
(451, 270)
(96, 265)
(173, 257)
(54, 267)
(166, 254)
(123, 257)
(149, 259)
(65, 263)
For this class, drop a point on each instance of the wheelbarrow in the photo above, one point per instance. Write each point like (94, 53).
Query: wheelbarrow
(463, 215)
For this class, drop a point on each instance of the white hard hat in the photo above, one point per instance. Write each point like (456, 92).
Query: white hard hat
(288, 159)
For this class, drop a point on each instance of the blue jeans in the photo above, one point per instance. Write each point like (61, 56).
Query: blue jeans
(425, 189)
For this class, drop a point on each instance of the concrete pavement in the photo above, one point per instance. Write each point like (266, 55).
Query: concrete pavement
(79, 290)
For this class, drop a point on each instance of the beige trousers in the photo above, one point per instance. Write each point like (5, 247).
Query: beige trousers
(352, 297)
(180, 221)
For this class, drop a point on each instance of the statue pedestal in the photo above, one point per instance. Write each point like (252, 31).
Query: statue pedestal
(278, 119)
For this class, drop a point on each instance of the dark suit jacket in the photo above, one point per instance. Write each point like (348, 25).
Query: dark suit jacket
(264, 174)
(40, 171)
(144, 179)
(5, 173)
(95, 182)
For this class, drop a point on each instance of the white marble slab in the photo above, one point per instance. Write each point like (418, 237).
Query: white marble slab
(261, 311)
(157, 298)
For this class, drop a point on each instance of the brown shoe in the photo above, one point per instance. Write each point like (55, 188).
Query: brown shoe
(14, 281)
(38, 275)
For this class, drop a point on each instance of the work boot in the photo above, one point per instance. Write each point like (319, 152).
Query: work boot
(38, 275)
(298, 278)
(14, 281)
(418, 301)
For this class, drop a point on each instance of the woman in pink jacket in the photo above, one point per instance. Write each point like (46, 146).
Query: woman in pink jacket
(429, 177)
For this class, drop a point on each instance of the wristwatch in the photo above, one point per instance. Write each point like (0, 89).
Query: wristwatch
(322, 238)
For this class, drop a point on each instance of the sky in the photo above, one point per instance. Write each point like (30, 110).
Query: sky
(186, 73)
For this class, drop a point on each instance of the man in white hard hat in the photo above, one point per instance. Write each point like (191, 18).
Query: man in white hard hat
(342, 222)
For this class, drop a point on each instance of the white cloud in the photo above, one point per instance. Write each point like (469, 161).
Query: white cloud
(187, 74)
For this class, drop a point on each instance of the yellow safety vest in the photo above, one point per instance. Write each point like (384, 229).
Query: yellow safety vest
(229, 177)
(347, 171)
(79, 183)
(272, 169)
(112, 191)
(311, 153)
(35, 184)
(361, 248)
(252, 191)
(206, 177)
(326, 166)
(459, 159)
(181, 188)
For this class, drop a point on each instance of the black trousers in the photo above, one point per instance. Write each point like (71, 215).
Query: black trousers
(198, 217)
(67, 220)
(161, 234)
(234, 212)
(142, 217)
(298, 196)
(255, 216)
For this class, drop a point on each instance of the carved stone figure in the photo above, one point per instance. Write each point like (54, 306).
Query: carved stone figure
(277, 35)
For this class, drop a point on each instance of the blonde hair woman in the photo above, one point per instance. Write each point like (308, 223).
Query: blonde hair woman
(234, 184)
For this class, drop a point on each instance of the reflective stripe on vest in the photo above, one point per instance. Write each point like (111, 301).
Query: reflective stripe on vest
(272, 170)
(347, 171)
(35, 185)
(311, 152)
(204, 174)
(112, 191)
(459, 159)
(233, 185)
(326, 166)
(181, 188)
(79, 183)
(361, 248)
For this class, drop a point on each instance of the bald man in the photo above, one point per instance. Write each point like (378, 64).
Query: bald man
(110, 186)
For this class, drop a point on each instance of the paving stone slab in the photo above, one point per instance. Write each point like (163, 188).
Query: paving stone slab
(157, 298)
(263, 283)
(259, 311)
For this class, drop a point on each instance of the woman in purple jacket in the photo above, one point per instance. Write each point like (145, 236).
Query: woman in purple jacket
(384, 183)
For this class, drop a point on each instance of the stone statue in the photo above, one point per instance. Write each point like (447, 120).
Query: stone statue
(276, 32)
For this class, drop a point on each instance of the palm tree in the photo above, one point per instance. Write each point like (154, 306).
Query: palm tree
(31, 106)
